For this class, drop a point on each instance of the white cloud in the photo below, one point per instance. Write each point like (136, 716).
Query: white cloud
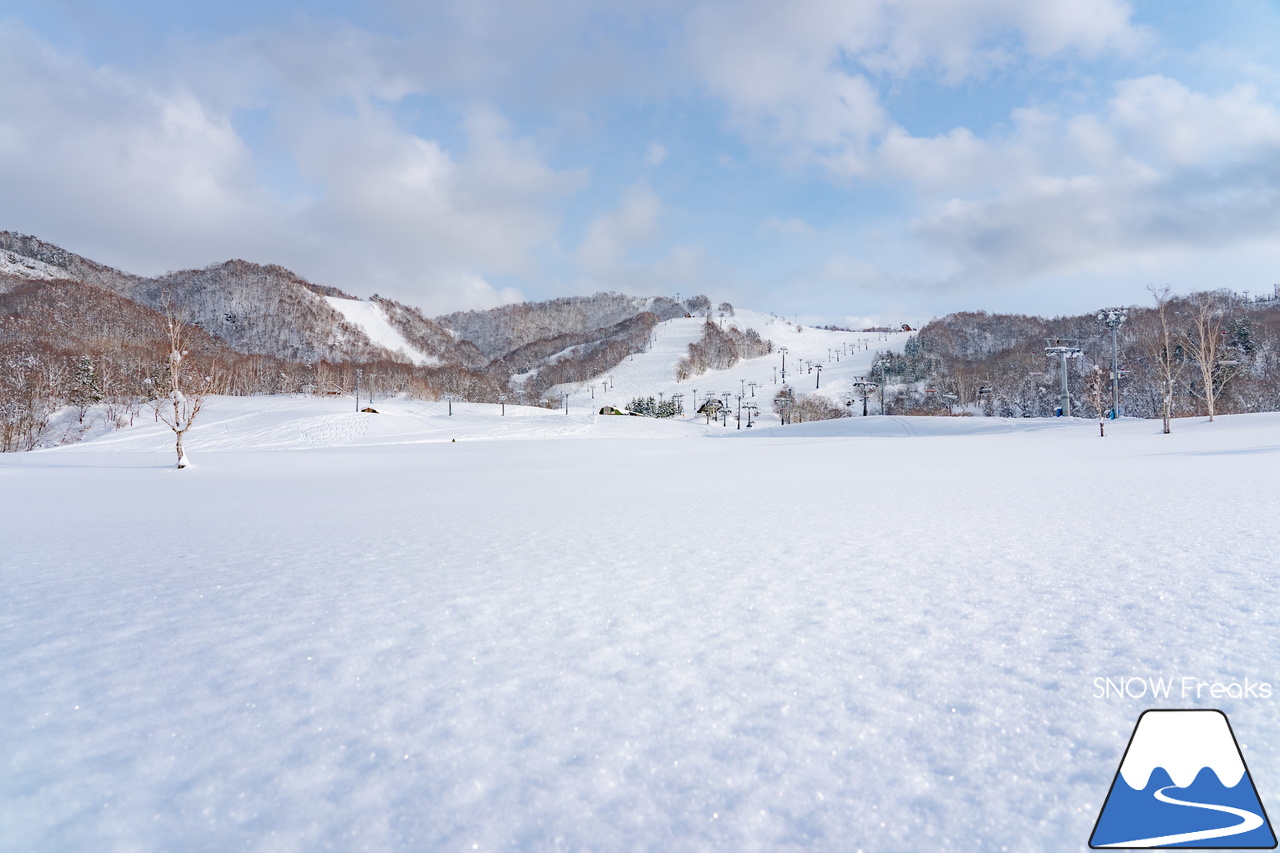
(655, 154)
(1159, 173)
(605, 252)
(800, 75)
(473, 293)
(113, 160)
(1166, 123)
(150, 178)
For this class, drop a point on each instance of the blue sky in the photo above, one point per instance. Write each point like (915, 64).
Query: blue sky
(846, 162)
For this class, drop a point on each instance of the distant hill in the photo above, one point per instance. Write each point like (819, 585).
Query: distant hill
(264, 329)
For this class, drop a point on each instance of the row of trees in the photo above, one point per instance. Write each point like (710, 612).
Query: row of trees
(498, 332)
(650, 408)
(721, 348)
(796, 408)
(1205, 353)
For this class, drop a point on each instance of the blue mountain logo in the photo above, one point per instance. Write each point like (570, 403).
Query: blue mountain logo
(1183, 783)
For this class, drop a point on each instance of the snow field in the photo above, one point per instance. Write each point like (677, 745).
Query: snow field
(798, 641)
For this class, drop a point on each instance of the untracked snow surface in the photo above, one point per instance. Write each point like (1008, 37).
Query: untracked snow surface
(411, 632)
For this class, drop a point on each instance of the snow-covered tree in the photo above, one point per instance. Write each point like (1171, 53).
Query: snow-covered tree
(86, 389)
(181, 400)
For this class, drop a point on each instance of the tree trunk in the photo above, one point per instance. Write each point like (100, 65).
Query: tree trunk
(182, 457)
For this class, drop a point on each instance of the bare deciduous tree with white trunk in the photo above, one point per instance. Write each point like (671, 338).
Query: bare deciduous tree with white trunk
(182, 401)
(1204, 343)
(1099, 387)
(1161, 347)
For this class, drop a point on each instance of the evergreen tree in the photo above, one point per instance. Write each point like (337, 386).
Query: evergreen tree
(86, 389)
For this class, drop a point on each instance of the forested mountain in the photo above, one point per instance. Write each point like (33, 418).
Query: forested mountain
(76, 332)
(500, 331)
(73, 329)
(1205, 353)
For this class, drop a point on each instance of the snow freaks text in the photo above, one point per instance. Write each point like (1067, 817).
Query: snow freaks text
(1184, 687)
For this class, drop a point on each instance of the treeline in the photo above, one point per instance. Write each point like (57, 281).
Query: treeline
(1203, 354)
(91, 332)
(575, 358)
(721, 348)
(68, 343)
(793, 408)
(501, 331)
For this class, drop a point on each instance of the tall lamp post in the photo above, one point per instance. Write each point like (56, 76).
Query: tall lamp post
(1113, 319)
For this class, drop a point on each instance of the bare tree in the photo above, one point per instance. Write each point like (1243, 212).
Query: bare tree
(1098, 386)
(1162, 351)
(179, 405)
(1204, 343)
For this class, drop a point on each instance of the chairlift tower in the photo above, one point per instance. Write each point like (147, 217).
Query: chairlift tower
(863, 386)
(1064, 348)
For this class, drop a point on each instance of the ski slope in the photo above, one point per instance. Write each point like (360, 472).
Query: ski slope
(415, 631)
(652, 373)
(368, 317)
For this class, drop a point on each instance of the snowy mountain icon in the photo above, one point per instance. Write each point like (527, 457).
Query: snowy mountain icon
(1183, 783)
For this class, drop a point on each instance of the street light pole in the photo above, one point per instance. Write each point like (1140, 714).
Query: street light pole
(1113, 318)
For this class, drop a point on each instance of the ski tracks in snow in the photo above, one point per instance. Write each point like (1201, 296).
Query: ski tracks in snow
(334, 430)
